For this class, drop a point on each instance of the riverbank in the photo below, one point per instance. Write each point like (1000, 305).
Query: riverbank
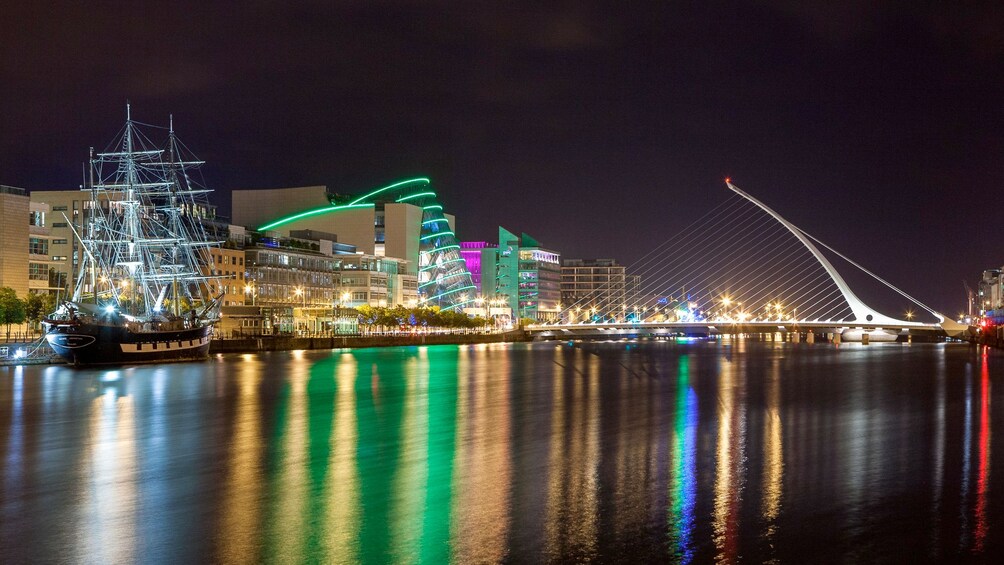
(290, 343)
(991, 335)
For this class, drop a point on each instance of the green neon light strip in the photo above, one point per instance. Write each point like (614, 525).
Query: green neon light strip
(357, 203)
(432, 235)
(395, 185)
(423, 285)
(447, 247)
(308, 213)
(434, 221)
(431, 267)
(432, 207)
(416, 195)
(450, 292)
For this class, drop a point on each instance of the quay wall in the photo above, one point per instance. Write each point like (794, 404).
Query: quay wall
(289, 343)
(992, 336)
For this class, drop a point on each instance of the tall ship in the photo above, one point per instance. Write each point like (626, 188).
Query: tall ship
(143, 292)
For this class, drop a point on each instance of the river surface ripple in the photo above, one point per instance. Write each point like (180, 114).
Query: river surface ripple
(673, 451)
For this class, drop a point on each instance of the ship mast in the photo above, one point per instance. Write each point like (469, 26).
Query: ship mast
(175, 219)
(150, 235)
(90, 228)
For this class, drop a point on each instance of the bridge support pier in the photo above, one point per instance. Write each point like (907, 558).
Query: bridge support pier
(810, 337)
(836, 338)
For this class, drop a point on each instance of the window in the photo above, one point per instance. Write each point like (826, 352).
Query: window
(38, 246)
(59, 242)
(358, 296)
(38, 272)
(59, 225)
(59, 208)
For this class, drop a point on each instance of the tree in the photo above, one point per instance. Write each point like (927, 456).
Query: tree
(12, 309)
(33, 308)
(37, 307)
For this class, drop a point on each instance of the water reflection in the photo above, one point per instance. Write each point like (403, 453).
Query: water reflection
(482, 476)
(730, 476)
(341, 488)
(287, 519)
(571, 517)
(683, 481)
(773, 460)
(241, 513)
(687, 452)
(983, 473)
(106, 512)
(938, 464)
(967, 427)
(412, 471)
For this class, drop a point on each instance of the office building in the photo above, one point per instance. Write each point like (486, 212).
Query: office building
(598, 287)
(44, 276)
(402, 222)
(305, 282)
(14, 239)
(471, 252)
(523, 273)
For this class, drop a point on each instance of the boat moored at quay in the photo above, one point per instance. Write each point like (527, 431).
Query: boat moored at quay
(142, 293)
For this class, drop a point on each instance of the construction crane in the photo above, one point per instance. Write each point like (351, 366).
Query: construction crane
(970, 296)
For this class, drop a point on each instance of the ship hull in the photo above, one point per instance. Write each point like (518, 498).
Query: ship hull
(92, 344)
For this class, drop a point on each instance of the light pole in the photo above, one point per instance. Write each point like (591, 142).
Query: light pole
(298, 291)
(250, 290)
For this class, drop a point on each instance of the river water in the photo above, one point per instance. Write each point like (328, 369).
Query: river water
(685, 451)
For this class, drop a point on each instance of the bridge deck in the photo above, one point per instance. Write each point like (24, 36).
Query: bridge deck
(719, 327)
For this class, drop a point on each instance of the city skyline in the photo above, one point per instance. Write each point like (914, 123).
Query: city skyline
(569, 121)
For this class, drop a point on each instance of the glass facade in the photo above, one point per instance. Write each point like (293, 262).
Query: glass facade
(524, 274)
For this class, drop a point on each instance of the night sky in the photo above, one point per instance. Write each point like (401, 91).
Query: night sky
(600, 129)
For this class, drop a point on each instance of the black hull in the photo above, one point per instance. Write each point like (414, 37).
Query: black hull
(91, 344)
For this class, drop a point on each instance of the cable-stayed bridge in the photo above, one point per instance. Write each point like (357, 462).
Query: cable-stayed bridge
(740, 268)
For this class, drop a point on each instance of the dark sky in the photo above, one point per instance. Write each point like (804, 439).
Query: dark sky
(598, 128)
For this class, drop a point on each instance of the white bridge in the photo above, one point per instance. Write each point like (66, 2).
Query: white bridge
(736, 258)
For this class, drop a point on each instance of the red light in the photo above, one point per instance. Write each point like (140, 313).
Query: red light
(728, 179)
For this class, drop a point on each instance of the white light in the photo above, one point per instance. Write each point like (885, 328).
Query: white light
(109, 308)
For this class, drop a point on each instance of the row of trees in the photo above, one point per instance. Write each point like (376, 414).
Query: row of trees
(400, 316)
(15, 311)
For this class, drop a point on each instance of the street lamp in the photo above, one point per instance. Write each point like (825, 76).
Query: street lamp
(249, 289)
